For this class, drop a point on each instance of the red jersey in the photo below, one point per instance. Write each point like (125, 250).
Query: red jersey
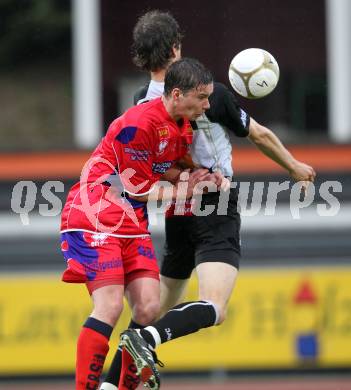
(139, 147)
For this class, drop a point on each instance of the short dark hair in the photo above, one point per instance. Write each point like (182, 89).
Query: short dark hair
(186, 74)
(154, 36)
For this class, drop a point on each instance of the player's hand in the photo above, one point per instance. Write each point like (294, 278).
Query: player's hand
(225, 185)
(203, 175)
(195, 177)
(172, 174)
(221, 182)
(192, 178)
(304, 174)
(216, 178)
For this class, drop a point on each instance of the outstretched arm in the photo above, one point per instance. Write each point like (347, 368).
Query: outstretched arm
(270, 145)
(162, 193)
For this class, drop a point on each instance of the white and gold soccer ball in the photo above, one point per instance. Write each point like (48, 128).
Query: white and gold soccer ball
(253, 73)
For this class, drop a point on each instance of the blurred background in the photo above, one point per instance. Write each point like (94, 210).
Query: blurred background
(66, 73)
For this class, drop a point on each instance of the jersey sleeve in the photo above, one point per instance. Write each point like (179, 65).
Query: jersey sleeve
(225, 110)
(134, 148)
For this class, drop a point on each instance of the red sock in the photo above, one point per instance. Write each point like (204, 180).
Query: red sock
(92, 349)
(128, 379)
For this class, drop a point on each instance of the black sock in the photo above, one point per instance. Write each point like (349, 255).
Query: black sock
(114, 371)
(183, 319)
(99, 326)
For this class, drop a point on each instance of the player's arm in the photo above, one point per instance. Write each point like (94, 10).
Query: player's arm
(225, 110)
(171, 192)
(269, 144)
(173, 173)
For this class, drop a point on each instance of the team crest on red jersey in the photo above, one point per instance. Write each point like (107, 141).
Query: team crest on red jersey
(163, 132)
(162, 146)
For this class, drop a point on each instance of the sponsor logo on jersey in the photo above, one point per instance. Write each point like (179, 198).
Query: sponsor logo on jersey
(146, 252)
(104, 265)
(161, 167)
(168, 333)
(243, 117)
(137, 155)
(163, 132)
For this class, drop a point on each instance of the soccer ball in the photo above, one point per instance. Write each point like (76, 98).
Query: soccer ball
(253, 73)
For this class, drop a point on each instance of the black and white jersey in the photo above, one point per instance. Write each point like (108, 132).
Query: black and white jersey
(152, 90)
(211, 147)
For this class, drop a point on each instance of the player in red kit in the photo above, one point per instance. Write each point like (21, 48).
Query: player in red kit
(104, 233)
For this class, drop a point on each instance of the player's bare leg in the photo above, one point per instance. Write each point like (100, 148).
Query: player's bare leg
(143, 295)
(172, 292)
(108, 303)
(216, 283)
(143, 298)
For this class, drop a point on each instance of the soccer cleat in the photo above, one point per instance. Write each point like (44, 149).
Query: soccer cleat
(143, 359)
(158, 362)
(129, 380)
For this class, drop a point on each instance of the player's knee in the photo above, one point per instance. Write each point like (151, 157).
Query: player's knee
(145, 313)
(115, 309)
(109, 311)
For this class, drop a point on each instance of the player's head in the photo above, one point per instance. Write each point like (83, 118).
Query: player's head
(188, 85)
(156, 41)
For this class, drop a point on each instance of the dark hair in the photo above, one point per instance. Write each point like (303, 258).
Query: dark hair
(154, 36)
(186, 74)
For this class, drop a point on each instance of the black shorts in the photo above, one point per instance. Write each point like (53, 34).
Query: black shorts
(191, 240)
